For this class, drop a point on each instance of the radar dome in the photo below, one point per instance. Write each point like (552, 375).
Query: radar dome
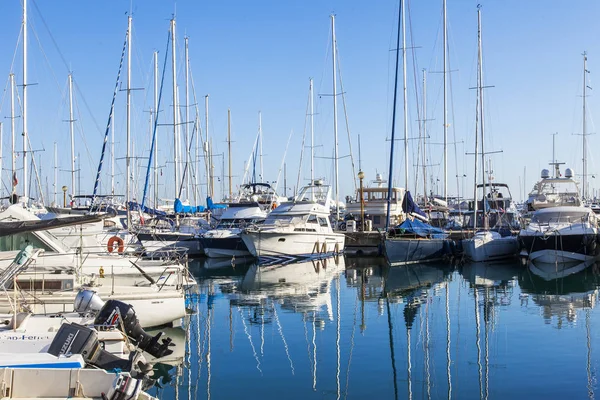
(545, 174)
(569, 173)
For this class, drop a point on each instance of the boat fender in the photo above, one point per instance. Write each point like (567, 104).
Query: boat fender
(120, 245)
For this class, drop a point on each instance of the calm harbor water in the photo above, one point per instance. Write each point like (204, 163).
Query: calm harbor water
(354, 329)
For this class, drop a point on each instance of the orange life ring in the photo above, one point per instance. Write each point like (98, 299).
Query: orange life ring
(120, 245)
(273, 206)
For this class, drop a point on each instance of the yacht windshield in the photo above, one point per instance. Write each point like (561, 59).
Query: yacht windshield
(560, 217)
(237, 222)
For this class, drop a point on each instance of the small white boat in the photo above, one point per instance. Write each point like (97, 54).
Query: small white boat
(490, 246)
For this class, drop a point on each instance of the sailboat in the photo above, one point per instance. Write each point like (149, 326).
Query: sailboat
(413, 241)
(487, 244)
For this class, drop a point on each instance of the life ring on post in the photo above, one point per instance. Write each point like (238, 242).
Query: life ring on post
(115, 242)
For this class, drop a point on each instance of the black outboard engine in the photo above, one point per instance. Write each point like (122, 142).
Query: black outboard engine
(122, 316)
(78, 339)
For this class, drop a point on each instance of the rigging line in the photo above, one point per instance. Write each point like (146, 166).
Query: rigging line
(12, 64)
(453, 128)
(51, 36)
(339, 68)
(304, 320)
(285, 345)
(337, 337)
(45, 56)
(162, 81)
(302, 148)
(204, 149)
(415, 82)
(37, 177)
(282, 162)
(110, 116)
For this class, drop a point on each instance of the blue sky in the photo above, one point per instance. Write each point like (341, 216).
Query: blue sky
(259, 55)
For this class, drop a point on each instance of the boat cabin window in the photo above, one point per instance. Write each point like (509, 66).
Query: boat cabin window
(312, 219)
(238, 222)
(561, 217)
(323, 222)
(274, 219)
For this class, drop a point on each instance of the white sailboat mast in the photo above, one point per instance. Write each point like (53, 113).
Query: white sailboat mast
(155, 117)
(55, 174)
(405, 92)
(312, 134)
(481, 115)
(229, 151)
(25, 189)
(175, 111)
(187, 119)
(584, 134)
(112, 155)
(72, 134)
(13, 133)
(425, 135)
(128, 125)
(208, 152)
(261, 179)
(444, 71)
(335, 133)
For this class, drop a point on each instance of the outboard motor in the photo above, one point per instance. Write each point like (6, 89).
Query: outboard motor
(109, 316)
(73, 338)
(88, 302)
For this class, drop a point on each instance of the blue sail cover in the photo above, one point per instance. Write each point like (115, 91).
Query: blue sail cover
(420, 228)
(212, 206)
(133, 206)
(179, 208)
(409, 206)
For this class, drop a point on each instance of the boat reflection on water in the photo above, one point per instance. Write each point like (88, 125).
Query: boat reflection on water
(482, 274)
(303, 287)
(561, 297)
(557, 270)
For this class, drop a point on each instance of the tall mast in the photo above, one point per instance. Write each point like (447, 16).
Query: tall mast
(187, 118)
(155, 115)
(404, 89)
(12, 132)
(210, 172)
(335, 133)
(25, 189)
(55, 174)
(424, 135)
(2, 158)
(72, 133)
(112, 155)
(312, 134)
(554, 154)
(445, 106)
(585, 71)
(128, 125)
(229, 150)
(175, 111)
(262, 178)
(481, 116)
(393, 138)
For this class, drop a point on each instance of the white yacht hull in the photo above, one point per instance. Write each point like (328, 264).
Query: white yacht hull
(298, 244)
(488, 247)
